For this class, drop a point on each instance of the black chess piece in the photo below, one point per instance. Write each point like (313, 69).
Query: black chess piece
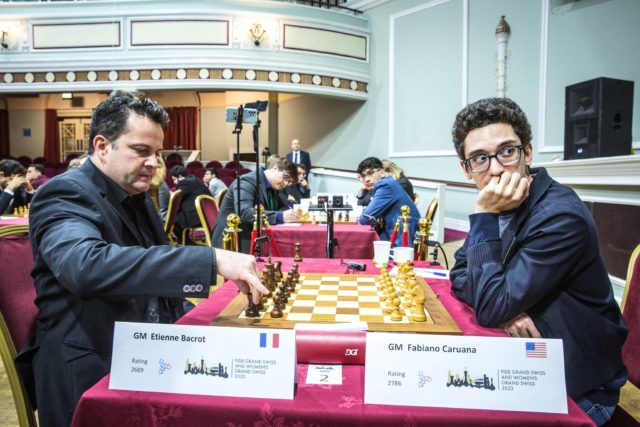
(276, 312)
(252, 310)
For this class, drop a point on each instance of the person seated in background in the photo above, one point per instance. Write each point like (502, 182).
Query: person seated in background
(159, 190)
(16, 188)
(531, 262)
(272, 179)
(191, 188)
(394, 170)
(387, 197)
(213, 181)
(299, 190)
(36, 176)
(77, 162)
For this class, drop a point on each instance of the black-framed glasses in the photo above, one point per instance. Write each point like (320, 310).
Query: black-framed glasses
(506, 156)
(367, 174)
(286, 178)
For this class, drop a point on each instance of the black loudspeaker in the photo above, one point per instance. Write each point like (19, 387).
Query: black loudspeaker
(338, 201)
(597, 118)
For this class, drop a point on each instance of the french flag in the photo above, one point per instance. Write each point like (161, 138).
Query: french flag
(269, 340)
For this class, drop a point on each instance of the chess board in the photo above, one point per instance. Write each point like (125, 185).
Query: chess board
(338, 298)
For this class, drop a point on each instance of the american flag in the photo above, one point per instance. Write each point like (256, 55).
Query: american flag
(536, 349)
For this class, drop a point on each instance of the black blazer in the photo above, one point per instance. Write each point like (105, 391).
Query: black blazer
(91, 269)
(187, 216)
(305, 160)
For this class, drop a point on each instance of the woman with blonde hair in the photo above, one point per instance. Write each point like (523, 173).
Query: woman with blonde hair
(394, 170)
(158, 188)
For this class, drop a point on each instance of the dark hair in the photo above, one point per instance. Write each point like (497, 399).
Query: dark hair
(214, 172)
(37, 166)
(11, 167)
(369, 163)
(178, 170)
(111, 116)
(487, 112)
(289, 168)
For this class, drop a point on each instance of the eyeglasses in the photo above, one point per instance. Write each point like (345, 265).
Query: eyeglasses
(506, 156)
(286, 178)
(366, 174)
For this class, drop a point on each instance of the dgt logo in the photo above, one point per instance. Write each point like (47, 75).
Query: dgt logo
(351, 352)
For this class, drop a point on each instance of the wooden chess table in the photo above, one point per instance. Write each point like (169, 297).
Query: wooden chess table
(338, 298)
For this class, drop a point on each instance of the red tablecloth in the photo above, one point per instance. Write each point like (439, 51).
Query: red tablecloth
(313, 405)
(355, 240)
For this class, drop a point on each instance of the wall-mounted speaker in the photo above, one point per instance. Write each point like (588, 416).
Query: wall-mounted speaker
(598, 117)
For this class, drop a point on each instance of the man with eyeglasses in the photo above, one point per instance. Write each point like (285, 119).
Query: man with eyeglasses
(387, 197)
(278, 174)
(531, 263)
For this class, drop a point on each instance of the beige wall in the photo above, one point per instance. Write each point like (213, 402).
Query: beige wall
(218, 140)
(32, 146)
(315, 121)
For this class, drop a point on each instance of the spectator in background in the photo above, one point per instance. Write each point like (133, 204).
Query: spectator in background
(16, 188)
(159, 190)
(77, 162)
(191, 188)
(394, 170)
(297, 156)
(36, 176)
(213, 181)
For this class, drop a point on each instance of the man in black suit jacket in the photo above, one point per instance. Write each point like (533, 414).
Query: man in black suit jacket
(273, 179)
(16, 191)
(191, 188)
(298, 156)
(101, 256)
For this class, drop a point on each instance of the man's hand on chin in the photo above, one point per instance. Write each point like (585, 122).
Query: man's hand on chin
(503, 193)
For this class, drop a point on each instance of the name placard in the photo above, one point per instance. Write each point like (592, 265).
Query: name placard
(512, 374)
(220, 361)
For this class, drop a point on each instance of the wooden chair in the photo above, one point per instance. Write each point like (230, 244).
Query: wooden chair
(208, 213)
(172, 211)
(430, 214)
(631, 312)
(17, 310)
(220, 197)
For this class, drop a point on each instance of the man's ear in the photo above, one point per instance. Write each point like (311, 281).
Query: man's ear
(528, 155)
(464, 170)
(100, 145)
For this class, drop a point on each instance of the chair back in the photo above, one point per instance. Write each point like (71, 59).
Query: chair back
(208, 213)
(220, 197)
(214, 164)
(231, 164)
(18, 311)
(430, 214)
(172, 212)
(631, 313)
(227, 176)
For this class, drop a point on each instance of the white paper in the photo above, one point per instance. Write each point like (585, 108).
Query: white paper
(324, 374)
(514, 374)
(206, 360)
